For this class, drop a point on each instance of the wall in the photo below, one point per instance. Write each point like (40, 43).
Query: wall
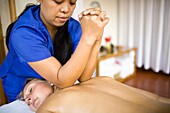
(5, 15)
(110, 6)
(20, 5)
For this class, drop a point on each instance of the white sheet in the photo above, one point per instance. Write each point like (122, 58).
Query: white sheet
(16, 107)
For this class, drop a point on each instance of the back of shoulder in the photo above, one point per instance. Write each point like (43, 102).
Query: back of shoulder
(30, 18)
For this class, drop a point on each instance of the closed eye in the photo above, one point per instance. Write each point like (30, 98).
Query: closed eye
(30, 90)
(58, 2)
(72, 3)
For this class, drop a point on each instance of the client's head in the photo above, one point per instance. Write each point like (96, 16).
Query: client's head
(35, 92)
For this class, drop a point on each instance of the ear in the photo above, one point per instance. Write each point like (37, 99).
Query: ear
(21, 96)
(51, 84)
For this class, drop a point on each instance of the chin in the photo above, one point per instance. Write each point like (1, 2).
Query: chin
(60, 24)
(36, 106)
(39, 104)
(34, 109)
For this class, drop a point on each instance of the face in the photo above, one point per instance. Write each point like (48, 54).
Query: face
(35, 92)
(55, 13)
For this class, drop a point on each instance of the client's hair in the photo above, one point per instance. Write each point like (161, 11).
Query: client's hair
(21, 94)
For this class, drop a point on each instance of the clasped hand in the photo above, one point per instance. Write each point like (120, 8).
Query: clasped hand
(93, 21)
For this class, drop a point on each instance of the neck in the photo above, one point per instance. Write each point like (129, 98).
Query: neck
(52, 33)
(51, 29)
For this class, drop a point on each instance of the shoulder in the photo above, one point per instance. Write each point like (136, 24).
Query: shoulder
(29, 24)
(30, 19)
(59, 102)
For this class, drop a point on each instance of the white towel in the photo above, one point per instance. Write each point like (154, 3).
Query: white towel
(16, 107)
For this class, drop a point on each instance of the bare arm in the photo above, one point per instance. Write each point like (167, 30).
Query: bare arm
(66, 75)
(89, 69)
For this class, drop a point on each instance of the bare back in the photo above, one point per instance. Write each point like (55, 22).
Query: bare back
(102, 95)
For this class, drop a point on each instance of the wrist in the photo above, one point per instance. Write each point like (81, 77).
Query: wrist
(88, 40)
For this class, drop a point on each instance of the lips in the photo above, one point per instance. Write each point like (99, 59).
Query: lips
(62, 19)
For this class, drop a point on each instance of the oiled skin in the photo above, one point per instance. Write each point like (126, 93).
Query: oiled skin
(103, 95)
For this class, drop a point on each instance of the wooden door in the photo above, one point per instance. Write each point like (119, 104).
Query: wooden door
(3, 99)
(2, 50)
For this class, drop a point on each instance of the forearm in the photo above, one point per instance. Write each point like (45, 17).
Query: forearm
(72, 70)
(91, 65)
(81, 63)
(66, 75)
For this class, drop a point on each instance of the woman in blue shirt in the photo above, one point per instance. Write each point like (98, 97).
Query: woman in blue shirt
(46, 43)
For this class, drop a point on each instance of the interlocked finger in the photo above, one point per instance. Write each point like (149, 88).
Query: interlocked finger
(103, 16)
(88, 11)
(91, 11)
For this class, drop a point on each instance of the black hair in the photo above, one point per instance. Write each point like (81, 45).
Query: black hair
(62, 41)
(62, 44)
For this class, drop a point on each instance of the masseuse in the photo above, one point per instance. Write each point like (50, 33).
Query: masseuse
(46, 43)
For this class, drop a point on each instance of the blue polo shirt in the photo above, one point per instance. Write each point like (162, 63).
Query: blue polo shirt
(29, 42)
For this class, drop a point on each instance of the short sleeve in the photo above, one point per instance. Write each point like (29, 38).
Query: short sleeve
(29, 44)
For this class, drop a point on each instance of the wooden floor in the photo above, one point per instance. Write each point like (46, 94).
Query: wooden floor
(158, 83)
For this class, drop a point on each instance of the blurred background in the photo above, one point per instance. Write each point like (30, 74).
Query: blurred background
(140, 26)
(143, 24)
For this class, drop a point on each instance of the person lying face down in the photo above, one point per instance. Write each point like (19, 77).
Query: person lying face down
(35, 92)
(97, 95)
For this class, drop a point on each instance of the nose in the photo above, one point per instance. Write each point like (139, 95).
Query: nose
(65, 8)
(29, 99)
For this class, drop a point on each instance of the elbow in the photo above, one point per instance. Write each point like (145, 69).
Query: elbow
(64, 85)
(64, 79)
(83, 79)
